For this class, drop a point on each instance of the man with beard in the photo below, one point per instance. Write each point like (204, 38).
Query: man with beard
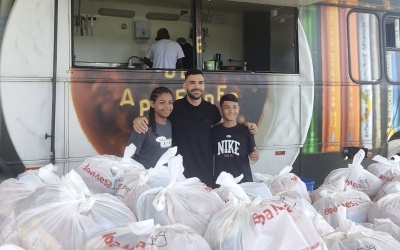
(192, 119)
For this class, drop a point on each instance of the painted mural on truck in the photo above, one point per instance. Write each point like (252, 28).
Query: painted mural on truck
(106, 110)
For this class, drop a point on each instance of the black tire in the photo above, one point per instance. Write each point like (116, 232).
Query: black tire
(393, 148)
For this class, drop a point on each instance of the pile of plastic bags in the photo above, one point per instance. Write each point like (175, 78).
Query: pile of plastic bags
(269, 223)
(351, 236)
(115, 203)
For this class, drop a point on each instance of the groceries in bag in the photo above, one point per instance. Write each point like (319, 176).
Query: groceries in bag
(384, 225)
(74, 217)
(320, 224)
(188, 202)
(384, 169)
(246, 224)
(146, 235)
(10, 247)
(14, 191)
(252, 189)
(337, 186)
(102, 173)
(284, 181)
(357, 177)
(387, 207)
(351, 236)
(356, 202)
(134, 183)
(389, 188)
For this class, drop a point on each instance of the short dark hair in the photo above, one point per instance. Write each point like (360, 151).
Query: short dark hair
(193, 72)
(227, 98)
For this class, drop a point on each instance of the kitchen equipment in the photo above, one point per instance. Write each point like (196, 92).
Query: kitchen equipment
(209, 65)
(218, 62)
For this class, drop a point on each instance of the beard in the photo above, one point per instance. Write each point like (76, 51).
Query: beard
(189, 93)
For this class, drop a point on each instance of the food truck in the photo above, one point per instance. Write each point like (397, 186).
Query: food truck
(315, 76)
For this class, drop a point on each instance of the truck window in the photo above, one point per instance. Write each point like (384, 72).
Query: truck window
(392, 49)
(249, 37)
(364, 47)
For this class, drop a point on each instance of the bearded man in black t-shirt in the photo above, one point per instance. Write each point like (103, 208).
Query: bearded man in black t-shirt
(192, 119)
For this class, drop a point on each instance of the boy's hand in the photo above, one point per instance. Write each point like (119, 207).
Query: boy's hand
(254, 156)
(252, 127)
(140, 124)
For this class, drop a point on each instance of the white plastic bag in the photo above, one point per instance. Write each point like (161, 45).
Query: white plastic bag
(252, 189)
(337, 186)
(356, 202)
(69, 221)
(146, 235)
(102, 173)
(270, 223)
(384, 225)
(357, 177)
(384, 169)
(386, 207)
(10, 247)
(187, 202)
(285, 181)
(13, 191)
(389, 188)
(320, 224)
(349, 236)
(134, 183)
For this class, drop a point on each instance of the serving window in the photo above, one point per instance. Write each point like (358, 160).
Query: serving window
(235, 36)
(118, 34)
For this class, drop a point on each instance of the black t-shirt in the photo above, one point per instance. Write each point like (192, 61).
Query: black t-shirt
(188, 59)
(191, 127)
(231, 147)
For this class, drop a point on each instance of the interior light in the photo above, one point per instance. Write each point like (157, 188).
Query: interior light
(162, 16)
(116, 12)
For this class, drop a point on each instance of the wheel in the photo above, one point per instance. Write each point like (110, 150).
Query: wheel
(393, 148)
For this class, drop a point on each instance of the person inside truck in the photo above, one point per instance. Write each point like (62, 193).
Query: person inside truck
(188, 51)
(192, 118)
(164, 53)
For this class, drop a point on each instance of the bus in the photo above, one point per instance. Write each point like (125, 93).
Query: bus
(316, 77)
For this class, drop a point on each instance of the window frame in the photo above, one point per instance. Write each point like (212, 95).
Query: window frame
(381, 61)
(385, 49)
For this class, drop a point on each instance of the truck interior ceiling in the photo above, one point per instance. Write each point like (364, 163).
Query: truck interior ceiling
(236, 36)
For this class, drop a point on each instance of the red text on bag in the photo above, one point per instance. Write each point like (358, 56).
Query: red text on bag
(103, 180)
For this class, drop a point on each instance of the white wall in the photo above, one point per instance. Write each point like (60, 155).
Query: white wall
(110, 43)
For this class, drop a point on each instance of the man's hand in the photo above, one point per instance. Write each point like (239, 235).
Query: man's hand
(254, 156)
(141, 124)
(252, 127)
